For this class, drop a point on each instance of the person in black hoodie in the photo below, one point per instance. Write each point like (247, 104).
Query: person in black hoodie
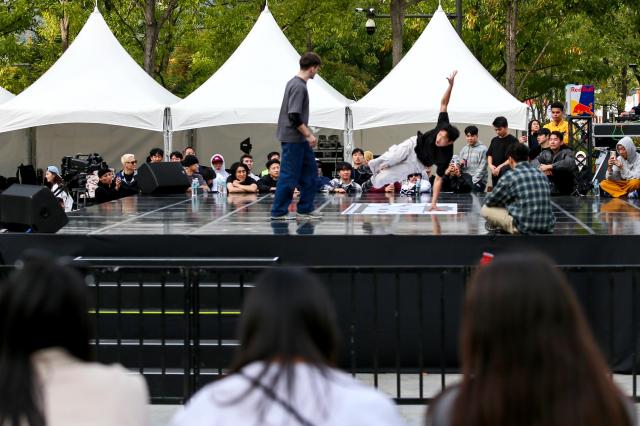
(107, 189)
(268, 183)
(558, 163)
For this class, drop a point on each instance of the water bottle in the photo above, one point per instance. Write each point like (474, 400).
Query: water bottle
(222, 186)
(194, 187)
(596, 188)
(417, 188)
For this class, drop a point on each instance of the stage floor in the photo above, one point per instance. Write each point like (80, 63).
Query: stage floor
(213, 214)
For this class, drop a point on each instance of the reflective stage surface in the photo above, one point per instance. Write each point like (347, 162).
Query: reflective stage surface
(213, 214)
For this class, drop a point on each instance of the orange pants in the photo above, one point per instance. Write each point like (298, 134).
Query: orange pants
(620, 188)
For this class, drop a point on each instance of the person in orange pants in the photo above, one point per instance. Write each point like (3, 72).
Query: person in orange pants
(623, 172)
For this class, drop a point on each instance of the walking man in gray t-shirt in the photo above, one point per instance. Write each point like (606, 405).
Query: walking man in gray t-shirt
(298, 164)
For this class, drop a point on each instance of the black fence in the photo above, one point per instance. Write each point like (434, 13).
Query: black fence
(176, 323)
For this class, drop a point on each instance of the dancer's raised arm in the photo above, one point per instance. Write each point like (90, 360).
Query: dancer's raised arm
(444, 103)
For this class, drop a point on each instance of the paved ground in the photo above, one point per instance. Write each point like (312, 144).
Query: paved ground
(413, 414)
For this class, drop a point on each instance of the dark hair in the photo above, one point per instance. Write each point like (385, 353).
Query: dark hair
(176, 154)
(535, 120)
(271, 154)
(528, 356)
(500, 122)
(560, 135)
(271, 163)
(452, 132)
(56, 180)
(471, 130)
(557, 104)
(42, 305)
(309, 60)
(544, 131)
(103, 172)
(235, 166)
(344, 166)
(518, 151)
(156, 151)
(286, 318)
(246, 156)
(357, 150)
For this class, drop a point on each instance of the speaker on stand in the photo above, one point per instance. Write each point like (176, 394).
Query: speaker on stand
(31, 208)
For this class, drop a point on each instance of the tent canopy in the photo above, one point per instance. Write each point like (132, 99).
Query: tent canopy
(5, 95)
(94, 81)
(249, 87)
(411, 92)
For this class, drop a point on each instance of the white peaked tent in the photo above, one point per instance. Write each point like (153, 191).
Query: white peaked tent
(94, 81)
(248, 88)
(411, 92)
(5, 95)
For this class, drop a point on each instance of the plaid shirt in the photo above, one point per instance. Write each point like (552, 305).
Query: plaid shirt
(525, 193)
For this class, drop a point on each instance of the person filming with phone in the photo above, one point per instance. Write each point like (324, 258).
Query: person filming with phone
(623, 171)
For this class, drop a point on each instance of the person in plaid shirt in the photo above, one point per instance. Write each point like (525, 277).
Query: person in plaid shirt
(521, 201)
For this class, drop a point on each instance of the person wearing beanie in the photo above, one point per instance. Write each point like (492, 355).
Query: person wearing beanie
(108, 188)
(127, 176)
(54, 182)
(623, 171)
(191, 166)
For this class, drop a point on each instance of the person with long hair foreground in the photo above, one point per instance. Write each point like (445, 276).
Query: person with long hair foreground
(46, 377)
(528, 355)
(283, 373)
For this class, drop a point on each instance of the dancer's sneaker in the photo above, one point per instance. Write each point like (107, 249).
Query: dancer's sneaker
(282, 218)
(309, 216)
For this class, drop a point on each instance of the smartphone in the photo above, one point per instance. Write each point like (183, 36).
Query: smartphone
(612, 154)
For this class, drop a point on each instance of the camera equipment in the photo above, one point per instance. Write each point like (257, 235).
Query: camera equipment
(75, 169)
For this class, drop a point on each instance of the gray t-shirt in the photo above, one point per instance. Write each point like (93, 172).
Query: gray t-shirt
(296, 100)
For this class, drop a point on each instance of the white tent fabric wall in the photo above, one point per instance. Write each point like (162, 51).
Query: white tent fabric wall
(94, 81)
(248, 88)
(411, 92)
(5, 95)
(57, 141)
(13, 145)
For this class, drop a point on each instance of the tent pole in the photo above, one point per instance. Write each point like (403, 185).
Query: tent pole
(168, 133)
(32, 152)
(348, 134)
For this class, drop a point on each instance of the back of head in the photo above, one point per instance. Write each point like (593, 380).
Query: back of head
(43, 305)
(309, 60)
(519, 152)
(287, 317)
(528, 355)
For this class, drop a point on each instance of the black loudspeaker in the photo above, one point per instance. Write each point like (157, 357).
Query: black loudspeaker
(24, 207)
(162, 178)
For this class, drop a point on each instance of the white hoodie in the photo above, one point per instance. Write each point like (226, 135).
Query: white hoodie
(630, 167)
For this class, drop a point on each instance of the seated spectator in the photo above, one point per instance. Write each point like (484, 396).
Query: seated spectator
(521, 202)
(176, 157)
(274, 155)
(55, 183)
(453, 179)
(189, 151)
(543, 143)
(559, 165)
(528, 356)
(497, 152)
(323, 183)
(410, 187)
(207, 173)
(108, 189)
(473, 161)
(623, 172)
(156, 155)
(46, 372)
(268, 183)
(220, 181)
(239, 181)
(126, 178)
(345, 183)
(191, 167)
(361, 172)
(247, 160)
(284, 372)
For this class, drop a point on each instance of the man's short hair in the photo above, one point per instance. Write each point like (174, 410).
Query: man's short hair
(544, 131)
(355, 150)
(557, 104)
(103, 172)
(560, 135)
(471, 130)
(309, 60)
(245, 156)
(126, 158)
(156, 151)
(271, 154)
(176, 154)
(452, 132)
(271, 163)
(189, 147)
(190, 160)
(500, 122)
(519, 152)
(344, 166)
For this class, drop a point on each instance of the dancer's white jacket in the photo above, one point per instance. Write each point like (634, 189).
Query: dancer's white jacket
(396, 164)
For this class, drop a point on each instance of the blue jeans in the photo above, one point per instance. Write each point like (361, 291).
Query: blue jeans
(297, 169)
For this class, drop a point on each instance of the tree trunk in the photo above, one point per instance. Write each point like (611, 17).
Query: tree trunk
(64, 27)
(397, 21)
(150, 35)
(624, 90)
(510, 46)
